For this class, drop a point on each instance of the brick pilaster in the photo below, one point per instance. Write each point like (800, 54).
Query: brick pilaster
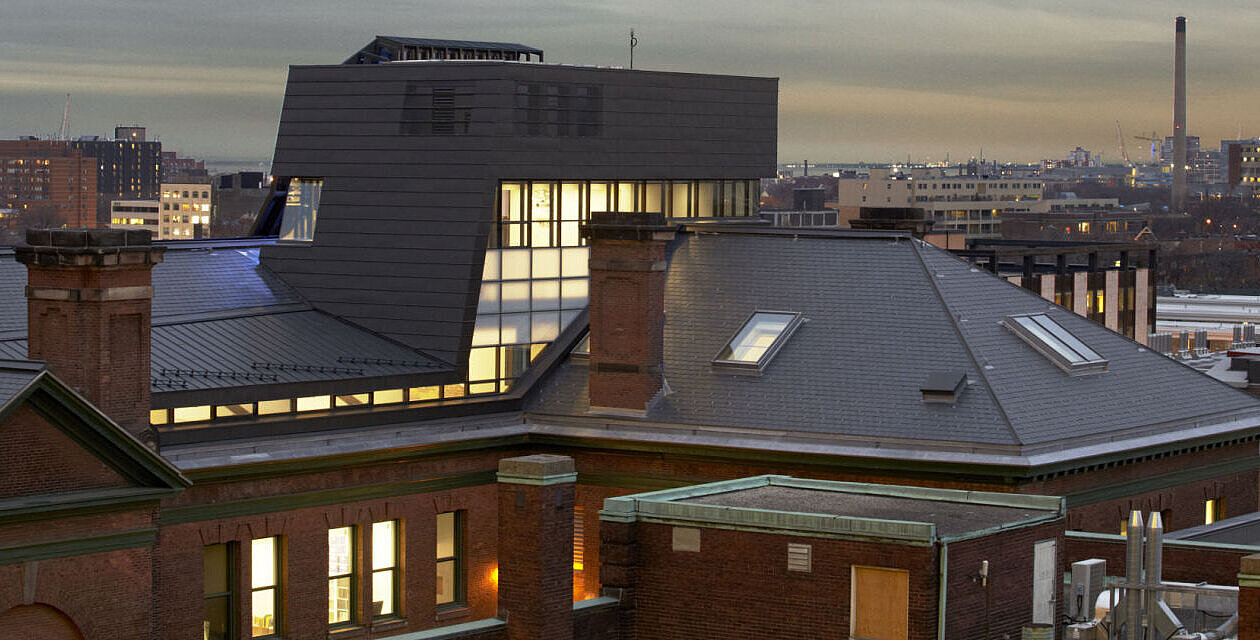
(89, 306)
(536, 546)
(1249, 598)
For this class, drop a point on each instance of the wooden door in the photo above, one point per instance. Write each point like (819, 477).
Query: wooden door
(880, 604)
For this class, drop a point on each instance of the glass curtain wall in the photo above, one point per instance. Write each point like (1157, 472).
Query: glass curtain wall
(536, 277)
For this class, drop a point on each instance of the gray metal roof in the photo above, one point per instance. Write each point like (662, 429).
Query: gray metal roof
(296, 346)
(1243, 529)
(881, 313)
(15, 375)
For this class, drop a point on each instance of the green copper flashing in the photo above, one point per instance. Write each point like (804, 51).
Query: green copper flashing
(670, 506)
(78, 546)
(452, 631)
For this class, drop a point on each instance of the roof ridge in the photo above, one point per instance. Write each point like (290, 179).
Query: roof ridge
(953, 322)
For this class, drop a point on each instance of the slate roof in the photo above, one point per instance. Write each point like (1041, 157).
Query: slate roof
(881, 314)
(16, 375)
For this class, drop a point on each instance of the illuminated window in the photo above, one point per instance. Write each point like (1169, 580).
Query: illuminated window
(192, 414)
(264, 582)
(761, 336)
(387, 396)
(341, 575)
(268, 407)
(218, 592)
(420, 394)
(579, 539)
(353, 400)
(1054, 342)
(314, 403)
(301, 207)
(157, 416)
(1213, 510)
(233, 410)
(385, 581)
(449, 554)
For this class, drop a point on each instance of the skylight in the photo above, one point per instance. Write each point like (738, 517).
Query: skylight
(758, 340)
(1053, 341)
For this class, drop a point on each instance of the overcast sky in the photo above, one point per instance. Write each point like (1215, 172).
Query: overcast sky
(859, 80)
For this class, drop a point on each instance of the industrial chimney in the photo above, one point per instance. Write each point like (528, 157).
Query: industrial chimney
(1179, 120)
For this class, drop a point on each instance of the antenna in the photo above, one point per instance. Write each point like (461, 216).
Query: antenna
(634, 42)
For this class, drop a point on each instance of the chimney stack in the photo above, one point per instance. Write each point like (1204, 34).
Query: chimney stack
(89, 302)
(628, 262)
(1179, 119)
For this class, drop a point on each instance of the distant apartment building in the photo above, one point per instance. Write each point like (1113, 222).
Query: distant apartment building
(47, 183)
(135, 214)
(185, 211)
(129, 167)
(974, 204)
(178, 169)
(1243, 162)
(237, 198)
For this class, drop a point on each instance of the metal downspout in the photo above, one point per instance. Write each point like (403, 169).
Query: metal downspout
(940, 604)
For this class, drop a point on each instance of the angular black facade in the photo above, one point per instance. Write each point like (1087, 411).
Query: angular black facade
(411, 156)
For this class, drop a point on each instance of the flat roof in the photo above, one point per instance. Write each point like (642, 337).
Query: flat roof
(830, 509)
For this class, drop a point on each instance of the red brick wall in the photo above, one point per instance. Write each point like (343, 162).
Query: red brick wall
(1010, 556)
(536, 560)
(1248, 613)
(738, 585)
(106, 594)
(100, 349)
(38, 458)
(38, 622)
(304, 534)
(627, 322)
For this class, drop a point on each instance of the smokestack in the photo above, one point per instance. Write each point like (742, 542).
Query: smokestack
(1133, 576)
(1179, 120)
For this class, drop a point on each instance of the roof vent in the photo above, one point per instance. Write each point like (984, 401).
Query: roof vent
(943, 387)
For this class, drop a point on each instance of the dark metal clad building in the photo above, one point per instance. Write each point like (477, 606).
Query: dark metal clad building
(401, 176)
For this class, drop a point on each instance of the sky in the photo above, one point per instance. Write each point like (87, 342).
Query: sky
(859, 81)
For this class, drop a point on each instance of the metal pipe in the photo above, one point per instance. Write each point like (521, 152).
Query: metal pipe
(1154, 569)
(940, 604)
(1133, 576)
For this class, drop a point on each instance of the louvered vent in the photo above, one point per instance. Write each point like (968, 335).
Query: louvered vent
(799, 557)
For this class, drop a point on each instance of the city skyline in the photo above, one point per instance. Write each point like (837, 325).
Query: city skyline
(868, 82)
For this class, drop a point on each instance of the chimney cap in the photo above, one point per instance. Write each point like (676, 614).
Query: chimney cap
(85, 238)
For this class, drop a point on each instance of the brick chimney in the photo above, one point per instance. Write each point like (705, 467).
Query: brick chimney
(89, 302)
(536, 496)
(627, 306)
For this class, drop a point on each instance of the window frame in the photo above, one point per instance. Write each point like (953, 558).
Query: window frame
(797, 318)
(351, 574)
(394, 569)
(459, 597)
(276, 586)
(232, 595)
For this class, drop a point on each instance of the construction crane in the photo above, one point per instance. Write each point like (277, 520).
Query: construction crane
(65, 118)
(1155, 141)
(1124, 154)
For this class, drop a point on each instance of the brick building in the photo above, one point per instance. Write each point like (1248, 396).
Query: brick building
(334, 405)
(49, 180)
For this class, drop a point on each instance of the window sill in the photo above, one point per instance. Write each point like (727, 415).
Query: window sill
(353, 631)
(452, 611)
(388, 623)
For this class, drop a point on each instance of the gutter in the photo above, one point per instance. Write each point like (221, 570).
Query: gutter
(940, 604)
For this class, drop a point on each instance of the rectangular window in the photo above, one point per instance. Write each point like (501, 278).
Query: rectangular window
(1213, 510)
(387, 396)
(313, 403)
(192, 414)
(385, 581)
(157, 416)
(268, 407)
(233, 410)
(450, 564)
(218, 592)
(341, 576)
(352, 400)
(264, 582)
(301, 206)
